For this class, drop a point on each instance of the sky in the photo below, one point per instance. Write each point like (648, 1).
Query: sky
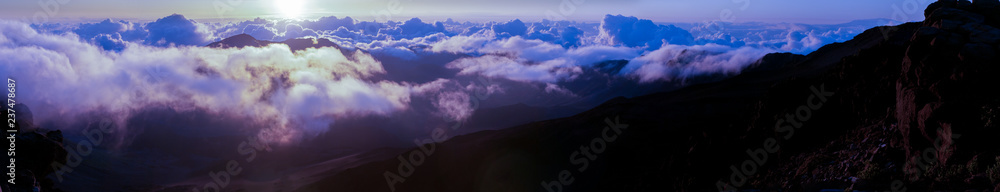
(793, 11)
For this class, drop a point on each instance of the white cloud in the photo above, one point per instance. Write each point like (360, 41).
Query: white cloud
(67, 77)
(160, 63)
(454, 105)
(516, 69)
(672, 62)
(553, 88)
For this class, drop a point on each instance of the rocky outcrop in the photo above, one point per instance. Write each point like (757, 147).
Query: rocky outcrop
(36, 150)
(919, 109)
(948, 83)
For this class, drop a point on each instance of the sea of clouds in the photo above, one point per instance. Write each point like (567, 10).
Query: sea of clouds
(379, 68)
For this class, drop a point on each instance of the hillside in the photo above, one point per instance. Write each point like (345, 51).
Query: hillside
(864, 114)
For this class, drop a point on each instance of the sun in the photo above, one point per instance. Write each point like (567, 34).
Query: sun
(291, 9)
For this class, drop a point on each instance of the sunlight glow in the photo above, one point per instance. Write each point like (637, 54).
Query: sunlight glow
(290, 9)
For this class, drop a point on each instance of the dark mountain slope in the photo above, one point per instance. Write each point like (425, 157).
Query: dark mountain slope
(893, 88)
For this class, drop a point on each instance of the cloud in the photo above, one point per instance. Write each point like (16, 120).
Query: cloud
(462, 44)
(177, 30)
(571, 37)
(516, 69)
(331, 23)
(635, 32)
(454, 105)
(511, 28)
(679, 62)
(112, 42)
(613, 30)
(527, 60)
(549, 50)
(301, 92)
(427, 72)
(111, 35)
(108, 27)
(293, 30)
(417, 28)
(261, 29)
(542, 32)
(786, 37)
(553, 88)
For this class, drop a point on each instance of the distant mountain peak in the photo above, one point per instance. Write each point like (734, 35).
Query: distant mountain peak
(239, 41)
(245, 40)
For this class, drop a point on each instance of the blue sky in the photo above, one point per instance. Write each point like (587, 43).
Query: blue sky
(796, 11)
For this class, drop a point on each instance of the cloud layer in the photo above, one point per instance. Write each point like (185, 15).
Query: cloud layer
(416, 67)
(299, 92)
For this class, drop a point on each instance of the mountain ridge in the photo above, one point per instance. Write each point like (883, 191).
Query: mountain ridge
(705, 129)
(298, 44)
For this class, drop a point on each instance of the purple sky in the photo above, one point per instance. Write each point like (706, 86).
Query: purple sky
(796, 11)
